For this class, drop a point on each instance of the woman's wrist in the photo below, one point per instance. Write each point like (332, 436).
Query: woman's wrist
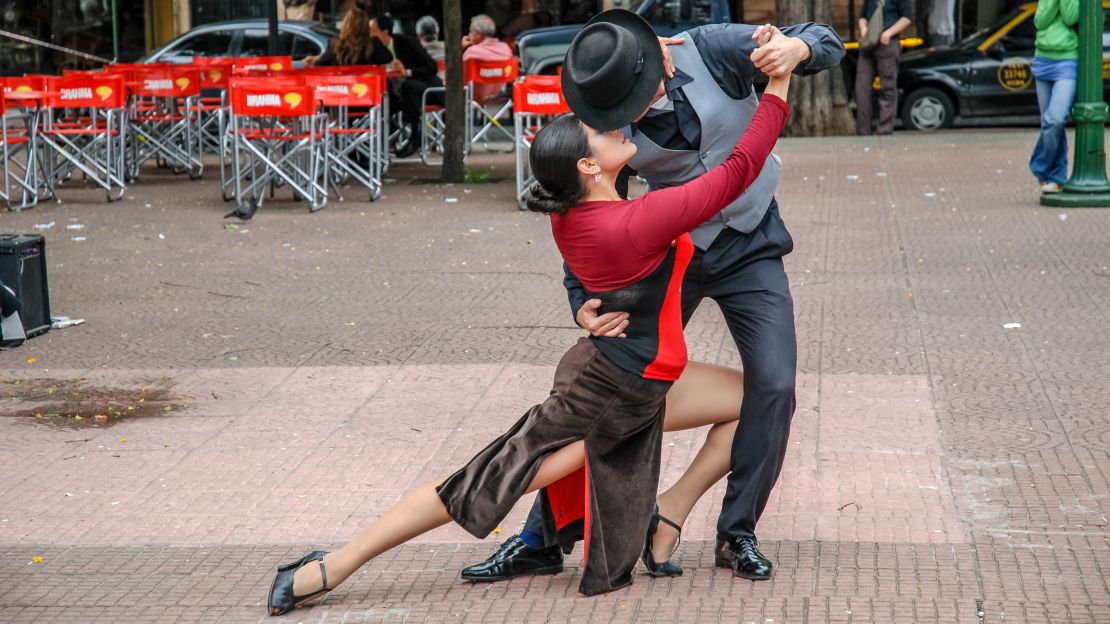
(778, 86)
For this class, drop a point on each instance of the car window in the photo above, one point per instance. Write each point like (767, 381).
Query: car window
(256, 43)
(304, 46)
(1021, 37)
(670, 12)
(1105, 28)
(327, 31)
(211, 43)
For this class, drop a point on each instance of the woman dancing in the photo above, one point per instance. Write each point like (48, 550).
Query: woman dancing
(608, 401)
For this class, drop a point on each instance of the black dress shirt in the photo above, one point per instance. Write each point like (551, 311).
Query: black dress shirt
(415, 58)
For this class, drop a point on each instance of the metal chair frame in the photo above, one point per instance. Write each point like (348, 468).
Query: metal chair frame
(164, 121)
(84, 129)
(352, 137)
(271, 146)
(19, 177)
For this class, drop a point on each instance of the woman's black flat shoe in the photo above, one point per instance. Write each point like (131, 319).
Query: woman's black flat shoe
(668, 567)
(281, 599)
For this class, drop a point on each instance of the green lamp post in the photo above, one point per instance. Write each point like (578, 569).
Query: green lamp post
(115, 33)
(1088, 186)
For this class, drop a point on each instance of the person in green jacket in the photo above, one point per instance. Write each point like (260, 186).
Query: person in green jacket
(1054, 67)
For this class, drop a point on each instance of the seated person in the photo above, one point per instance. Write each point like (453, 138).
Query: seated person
(354, 45)
(413, 72)
(427, 29)
(480, 44)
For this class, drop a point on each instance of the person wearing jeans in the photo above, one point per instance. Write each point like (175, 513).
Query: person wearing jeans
(897, 17)
(1055, 66)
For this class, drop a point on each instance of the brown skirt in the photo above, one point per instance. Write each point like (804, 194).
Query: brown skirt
(620, 416)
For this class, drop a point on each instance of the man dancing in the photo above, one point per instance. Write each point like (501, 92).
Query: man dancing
(698, 114)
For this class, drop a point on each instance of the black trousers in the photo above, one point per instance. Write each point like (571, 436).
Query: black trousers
(409, 95)
(744, 274)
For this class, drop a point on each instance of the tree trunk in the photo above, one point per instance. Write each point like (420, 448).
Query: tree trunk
(455, 104)
(819, 104)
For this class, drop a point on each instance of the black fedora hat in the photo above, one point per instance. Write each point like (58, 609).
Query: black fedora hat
(612, 70)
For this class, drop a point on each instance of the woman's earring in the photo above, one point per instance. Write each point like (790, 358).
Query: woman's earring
(597, 177)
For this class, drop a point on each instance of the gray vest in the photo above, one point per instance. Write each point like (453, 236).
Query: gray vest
(723, 122)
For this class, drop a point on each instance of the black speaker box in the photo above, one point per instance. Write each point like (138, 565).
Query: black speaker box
(23, 269)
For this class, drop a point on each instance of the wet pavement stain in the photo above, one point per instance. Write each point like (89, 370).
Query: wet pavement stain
(78, 404)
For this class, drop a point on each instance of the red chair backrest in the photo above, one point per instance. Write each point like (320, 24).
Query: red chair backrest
(214, 75)
(539, 95)
(363, 90)
(102, 91)
(283, 82)
(270, 99)
(498, 71)
(26, 83)
(262, 64)
(170, 81)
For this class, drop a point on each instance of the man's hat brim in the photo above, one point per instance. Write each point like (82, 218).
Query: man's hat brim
(642, 92)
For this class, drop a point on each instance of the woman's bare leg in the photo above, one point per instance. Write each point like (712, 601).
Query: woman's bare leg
(418, 512)
(709, 466)
(703, 395)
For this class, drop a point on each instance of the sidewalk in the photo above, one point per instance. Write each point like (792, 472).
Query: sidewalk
(291, 378)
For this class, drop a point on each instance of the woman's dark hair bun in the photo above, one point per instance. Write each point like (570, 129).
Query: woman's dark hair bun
(553, 158)
(540, 199)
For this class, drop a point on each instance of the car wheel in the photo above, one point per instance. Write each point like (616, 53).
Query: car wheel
(928, 109)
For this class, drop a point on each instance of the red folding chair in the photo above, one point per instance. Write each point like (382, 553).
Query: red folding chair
(382, 119)
(354, 142)
(278, 138)
(164, 119)
(536, 100)
(498, 72)
(19, 187)
(83, 129)
(214, 75)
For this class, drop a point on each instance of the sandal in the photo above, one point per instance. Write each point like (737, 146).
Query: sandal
(666, 568)
(281, 599)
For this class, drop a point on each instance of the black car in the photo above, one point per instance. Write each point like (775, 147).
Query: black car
(988, 74)
(245, 38)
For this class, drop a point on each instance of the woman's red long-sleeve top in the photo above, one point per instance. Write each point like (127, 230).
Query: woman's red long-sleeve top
(632, 254)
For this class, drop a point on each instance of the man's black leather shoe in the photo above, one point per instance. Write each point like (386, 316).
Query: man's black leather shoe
(515, 558)
(748, 562)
